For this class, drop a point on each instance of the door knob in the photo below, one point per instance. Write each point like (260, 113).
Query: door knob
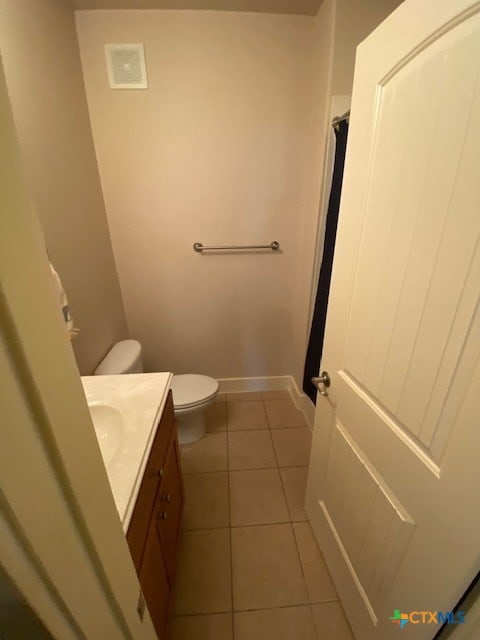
(323, 380)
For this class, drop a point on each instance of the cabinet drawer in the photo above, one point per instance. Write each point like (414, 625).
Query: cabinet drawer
(154, 471)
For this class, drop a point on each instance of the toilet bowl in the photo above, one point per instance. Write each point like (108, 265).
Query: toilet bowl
(192, 393)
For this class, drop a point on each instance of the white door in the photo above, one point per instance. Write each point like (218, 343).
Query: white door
(394, 480)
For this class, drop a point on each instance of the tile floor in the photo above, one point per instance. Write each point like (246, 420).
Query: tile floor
(249, 567)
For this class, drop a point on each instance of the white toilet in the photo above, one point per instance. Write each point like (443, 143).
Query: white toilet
(191, 393)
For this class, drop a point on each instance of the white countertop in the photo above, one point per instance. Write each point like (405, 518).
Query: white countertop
(140, 398)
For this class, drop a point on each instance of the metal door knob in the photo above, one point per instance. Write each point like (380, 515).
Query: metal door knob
(323, 380)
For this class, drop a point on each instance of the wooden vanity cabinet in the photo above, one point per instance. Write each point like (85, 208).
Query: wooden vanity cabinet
(154, 581)
(155, 525)
(170, 503)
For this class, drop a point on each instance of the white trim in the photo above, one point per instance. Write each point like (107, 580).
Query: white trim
(271, 383)
(266, 383)
(303, 402)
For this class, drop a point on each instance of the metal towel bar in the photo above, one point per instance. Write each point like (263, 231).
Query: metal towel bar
(273, 246)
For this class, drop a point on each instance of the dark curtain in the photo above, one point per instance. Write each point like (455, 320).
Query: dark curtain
(317, 330)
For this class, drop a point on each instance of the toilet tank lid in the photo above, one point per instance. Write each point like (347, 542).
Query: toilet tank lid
(120, 358)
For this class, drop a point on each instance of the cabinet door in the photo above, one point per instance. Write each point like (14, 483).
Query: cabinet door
(154, 471)
(170, 503)
(154, 580)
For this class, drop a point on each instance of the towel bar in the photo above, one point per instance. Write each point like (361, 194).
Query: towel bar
(273, 246)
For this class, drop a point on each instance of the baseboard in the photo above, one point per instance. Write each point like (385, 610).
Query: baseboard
(265, 383)
(271, 383)
(302, 402)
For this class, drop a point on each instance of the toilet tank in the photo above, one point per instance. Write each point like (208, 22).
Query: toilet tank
(124, 357)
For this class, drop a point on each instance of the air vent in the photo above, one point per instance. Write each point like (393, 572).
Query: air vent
(126, 66)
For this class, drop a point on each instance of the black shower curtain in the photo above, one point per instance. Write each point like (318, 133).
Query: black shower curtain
(317, 330)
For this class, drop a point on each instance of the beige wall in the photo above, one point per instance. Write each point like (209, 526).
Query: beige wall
(215, 151)
(39, 48)
(355, 20)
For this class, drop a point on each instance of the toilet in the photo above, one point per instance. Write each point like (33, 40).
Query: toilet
(192, 393)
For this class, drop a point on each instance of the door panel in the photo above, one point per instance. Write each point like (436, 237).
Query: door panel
(395, 442)
(418, 206)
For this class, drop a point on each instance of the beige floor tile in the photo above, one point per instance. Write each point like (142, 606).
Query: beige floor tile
(256, 497)
(331, 622)
(295, 484)
(287, 623)
(208, 454)
(206, 501)
(246, 415)
(251, 450)
(216, 417)
(207, 627)
(277, 394)
(283, 413)
(292, 446)
(244, 396)
(203, 583)
(266, 569)
(320, 585)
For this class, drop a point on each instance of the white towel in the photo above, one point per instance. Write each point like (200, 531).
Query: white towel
(63, 304)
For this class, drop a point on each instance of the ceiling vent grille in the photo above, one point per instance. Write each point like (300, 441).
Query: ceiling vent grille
(126, 66)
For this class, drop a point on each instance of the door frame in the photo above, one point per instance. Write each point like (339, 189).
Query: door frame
(72, 567)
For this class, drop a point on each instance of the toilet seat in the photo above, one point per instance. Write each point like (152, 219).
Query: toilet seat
(191, 391)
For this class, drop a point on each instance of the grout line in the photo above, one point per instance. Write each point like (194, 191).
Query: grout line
(280, 606)
(317, 632)
(325, 601)
(204, 529)
(265, 412)
(282, 428)
(230, 525)
(243, 526)
(300, 561)
(268, 428)
(292, 529)
(247, 430)
(285, 494)
(296, 466)
(260, 524)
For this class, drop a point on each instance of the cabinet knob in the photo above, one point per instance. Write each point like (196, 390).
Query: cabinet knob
(168, 498)
(159, 473)
(163, 515)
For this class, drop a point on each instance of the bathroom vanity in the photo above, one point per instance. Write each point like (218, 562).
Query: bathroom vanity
(134, 422)
(155, 524)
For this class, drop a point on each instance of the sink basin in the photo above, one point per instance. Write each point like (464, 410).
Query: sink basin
(125, 411)
(108, 423)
